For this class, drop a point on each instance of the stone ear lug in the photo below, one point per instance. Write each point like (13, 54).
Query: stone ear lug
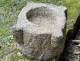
(17, 34)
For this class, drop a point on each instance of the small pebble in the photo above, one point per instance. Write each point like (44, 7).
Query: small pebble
(19, 54)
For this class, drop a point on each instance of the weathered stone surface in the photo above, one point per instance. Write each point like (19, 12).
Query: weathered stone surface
(42, 30)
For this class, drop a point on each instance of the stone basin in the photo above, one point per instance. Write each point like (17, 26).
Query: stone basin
(41, 30)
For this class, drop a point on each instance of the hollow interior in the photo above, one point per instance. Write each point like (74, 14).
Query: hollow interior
(42, 16)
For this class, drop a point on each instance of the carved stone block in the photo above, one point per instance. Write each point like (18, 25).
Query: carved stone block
(41, 30)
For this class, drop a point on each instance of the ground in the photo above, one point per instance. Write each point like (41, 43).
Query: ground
(9, 10)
